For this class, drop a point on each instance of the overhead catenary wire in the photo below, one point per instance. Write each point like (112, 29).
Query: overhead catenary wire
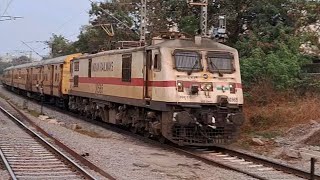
(6, 9)
(105, 11)
(32, 49)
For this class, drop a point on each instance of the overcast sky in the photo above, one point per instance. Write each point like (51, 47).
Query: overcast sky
(41, 18)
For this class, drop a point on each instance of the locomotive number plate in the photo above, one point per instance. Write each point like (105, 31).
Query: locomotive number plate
(99, 88)
(232, 99)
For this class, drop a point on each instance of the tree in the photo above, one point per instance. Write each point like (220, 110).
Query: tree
(21, 60)
(267, 33)
(60, 46)
(3, 65)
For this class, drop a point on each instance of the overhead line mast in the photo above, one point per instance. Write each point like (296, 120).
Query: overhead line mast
(204, 15)
(143, 20)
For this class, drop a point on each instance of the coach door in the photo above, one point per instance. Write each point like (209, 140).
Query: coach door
(11, 71)
(51, 78)
(148, 76)
(60, 79)
(29, 79)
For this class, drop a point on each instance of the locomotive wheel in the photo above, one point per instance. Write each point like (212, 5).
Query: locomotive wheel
(162, 140)
(134, 129)
(146, 134)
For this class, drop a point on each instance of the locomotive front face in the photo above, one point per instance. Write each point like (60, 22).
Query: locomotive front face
(207, 97)
(207, 77)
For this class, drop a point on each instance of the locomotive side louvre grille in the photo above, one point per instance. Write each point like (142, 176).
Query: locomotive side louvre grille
(126, 67)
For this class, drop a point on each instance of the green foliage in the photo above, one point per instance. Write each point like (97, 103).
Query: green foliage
(3, 65)
(270, 49)
(20, 60)
(267, 33)
(189, 24)
(60, 46)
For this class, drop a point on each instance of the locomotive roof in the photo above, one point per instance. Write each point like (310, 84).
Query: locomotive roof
(206, 44)
(57, 60)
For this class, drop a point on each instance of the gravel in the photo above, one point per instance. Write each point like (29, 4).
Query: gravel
(291, 149)
(3, 172)
(122, 156)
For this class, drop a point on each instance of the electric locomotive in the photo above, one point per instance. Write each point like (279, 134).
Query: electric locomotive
(187, 91)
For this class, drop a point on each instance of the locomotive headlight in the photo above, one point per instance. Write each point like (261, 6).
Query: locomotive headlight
(209, 87)
(180, 86)
(213, 120)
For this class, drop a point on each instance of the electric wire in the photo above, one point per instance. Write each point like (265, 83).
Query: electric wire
(6, 9)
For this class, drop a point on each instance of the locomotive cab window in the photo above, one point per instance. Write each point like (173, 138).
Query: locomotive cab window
(221, 62)
(89, 68)
(187, 61)
(126, 67)
(157, 62)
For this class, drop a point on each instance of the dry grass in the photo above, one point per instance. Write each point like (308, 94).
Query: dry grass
(282, 115)
(33, 113)
(270, 113)
(90, 133)
(3, 96)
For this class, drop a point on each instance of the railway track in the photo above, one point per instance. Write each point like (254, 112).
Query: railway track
(252, 166)
(26, 155)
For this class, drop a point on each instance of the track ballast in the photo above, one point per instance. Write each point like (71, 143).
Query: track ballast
(27, 155)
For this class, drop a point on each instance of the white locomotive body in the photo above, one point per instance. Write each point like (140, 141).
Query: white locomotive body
(188, 92)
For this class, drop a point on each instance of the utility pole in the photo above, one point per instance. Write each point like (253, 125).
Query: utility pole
(204, 15)
(143, 20)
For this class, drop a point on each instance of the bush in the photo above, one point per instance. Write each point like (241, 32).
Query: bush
(280, 63)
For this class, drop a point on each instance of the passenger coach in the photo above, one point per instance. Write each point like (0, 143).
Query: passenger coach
(49, 79)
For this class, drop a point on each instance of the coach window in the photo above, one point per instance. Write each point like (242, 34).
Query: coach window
(89, 68)
(157, 62)
(76, 66)
(126, 67)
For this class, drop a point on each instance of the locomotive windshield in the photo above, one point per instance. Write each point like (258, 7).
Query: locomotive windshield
(187, 61)
(221, 62)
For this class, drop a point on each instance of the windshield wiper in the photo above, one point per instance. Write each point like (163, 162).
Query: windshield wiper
(193, 67)
(215, 66)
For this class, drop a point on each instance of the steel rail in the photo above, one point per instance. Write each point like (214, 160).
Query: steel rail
(46, 143)
(8, 167)
(62, 146)
(215, 163)
(150, 141)
(266, 162)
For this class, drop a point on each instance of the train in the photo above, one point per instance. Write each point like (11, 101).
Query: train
(184, 90)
